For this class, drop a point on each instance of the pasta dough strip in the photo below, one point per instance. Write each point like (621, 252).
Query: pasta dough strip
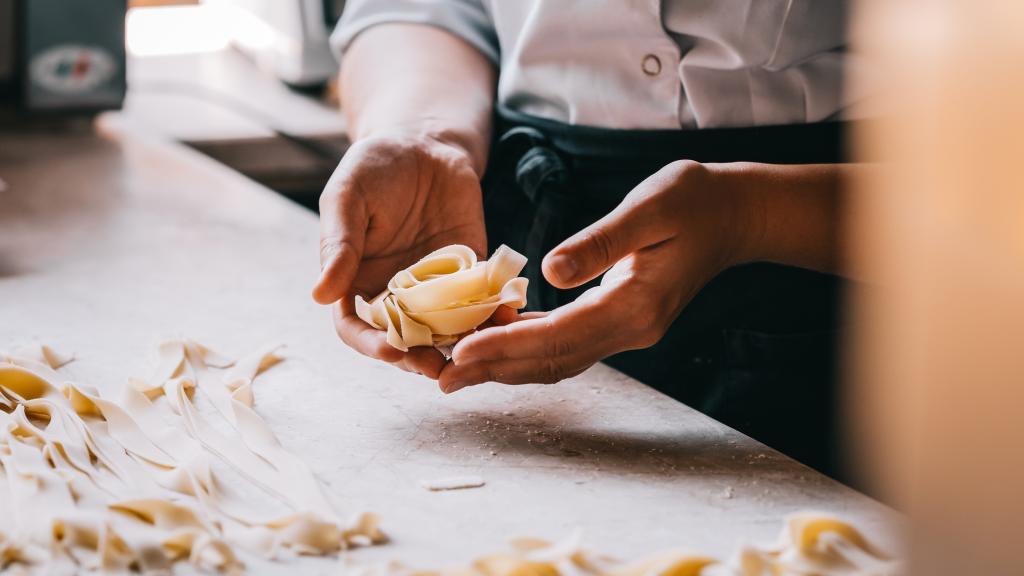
(811, 544)
(87, 483)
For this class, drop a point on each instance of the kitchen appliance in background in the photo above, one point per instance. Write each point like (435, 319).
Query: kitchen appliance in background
(61, 57)
(288, 38)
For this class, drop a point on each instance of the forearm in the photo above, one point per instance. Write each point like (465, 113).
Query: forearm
(791, 214)
(411, 79)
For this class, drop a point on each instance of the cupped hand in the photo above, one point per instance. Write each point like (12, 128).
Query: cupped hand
(668, 237)
(390, 201)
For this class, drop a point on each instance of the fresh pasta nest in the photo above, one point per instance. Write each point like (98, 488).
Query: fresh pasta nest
(445, 295)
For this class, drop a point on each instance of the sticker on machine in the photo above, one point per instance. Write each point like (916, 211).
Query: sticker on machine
(72, 69)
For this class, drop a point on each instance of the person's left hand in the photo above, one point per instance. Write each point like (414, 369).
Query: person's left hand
(668, 237)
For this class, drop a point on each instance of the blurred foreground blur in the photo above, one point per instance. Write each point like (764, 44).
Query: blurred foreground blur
(939, 361)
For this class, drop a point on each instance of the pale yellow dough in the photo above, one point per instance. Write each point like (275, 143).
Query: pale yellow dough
(88, 483)
(811, 544)
(452, 483)
(444, 295)
(814, 544)
(92, 484)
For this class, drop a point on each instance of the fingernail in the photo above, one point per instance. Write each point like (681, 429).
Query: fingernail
(323, 273)
(564, 267)
(326, 262)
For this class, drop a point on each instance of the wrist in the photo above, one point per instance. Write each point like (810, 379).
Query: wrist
(742, 208)
(466, 143)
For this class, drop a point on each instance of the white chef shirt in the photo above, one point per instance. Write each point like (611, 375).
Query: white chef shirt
(646, 64)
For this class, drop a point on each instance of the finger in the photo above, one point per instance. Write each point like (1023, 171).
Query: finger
(362, 337)
(505, 315)
(584, 324)
(637, 222)
(519, 371)
(371, 342)
(343, 222)
(424, 360)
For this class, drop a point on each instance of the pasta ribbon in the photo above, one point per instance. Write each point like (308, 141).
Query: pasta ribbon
(445, 295)
(93, 484)
(813, 544)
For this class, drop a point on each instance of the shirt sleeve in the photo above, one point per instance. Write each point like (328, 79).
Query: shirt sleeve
(467, 19)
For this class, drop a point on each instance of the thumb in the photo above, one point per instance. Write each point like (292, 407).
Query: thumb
(593, 250)
(342, 234)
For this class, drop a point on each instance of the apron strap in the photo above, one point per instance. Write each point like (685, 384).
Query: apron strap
(542, 176)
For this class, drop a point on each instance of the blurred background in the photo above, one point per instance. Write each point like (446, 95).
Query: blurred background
(247, 82)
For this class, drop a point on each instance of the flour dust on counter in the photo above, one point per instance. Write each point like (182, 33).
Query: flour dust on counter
(93, 484)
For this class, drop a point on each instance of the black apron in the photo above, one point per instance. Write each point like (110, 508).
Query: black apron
(757, 348)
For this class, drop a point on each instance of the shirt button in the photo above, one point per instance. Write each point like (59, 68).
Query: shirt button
(651, 65)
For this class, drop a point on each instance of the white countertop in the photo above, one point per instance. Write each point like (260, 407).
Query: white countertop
(108, 244)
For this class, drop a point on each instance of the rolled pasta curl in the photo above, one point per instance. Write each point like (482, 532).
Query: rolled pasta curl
(444, 295)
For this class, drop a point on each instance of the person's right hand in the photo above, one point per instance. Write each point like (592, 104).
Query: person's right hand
(391, 201)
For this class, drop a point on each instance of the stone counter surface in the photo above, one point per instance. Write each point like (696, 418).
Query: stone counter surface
(111, 242)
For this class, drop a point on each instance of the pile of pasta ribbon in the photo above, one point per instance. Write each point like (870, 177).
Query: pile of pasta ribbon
(88, 483)
(811, 544)
(445, 295)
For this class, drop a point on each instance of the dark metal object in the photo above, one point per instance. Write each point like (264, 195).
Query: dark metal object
(61, 57)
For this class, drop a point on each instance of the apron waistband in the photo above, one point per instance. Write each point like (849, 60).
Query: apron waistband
(820, 142)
